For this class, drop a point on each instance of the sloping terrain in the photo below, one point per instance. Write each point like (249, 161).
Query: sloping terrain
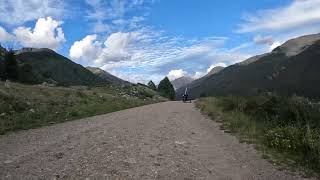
(214, 70)
(106, 76)
(181, 82)
(27, 106)
(45, 65)
(180, 91)
(292, 68)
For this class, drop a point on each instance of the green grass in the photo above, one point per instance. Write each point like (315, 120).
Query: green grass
(285, 129)
(31, 106)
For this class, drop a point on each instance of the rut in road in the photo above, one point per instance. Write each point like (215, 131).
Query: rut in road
(169, 140)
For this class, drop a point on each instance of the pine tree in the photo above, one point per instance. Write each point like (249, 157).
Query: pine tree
(166, 89)
(152, 85)
(11, 66)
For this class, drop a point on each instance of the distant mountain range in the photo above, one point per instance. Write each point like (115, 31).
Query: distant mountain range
(195, 82)
(180, 82)
(185, 80)
(292, 68)
(214, 70)
(45, 65)
(106, 76)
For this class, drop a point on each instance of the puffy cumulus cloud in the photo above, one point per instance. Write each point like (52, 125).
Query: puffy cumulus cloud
(5, 36)
(263, 40)
(299, 13)
(118, 47)
(120, 41)
(47, 33)
(17, 12)
(85, 50)
(176, 73)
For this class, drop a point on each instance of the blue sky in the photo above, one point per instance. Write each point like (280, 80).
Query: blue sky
(140, 40)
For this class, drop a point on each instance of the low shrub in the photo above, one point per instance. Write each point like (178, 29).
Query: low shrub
(28, 106)
(287, 125)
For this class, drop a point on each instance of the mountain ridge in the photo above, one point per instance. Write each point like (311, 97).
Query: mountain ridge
(182, 81)
(106, 75)
(279, 71)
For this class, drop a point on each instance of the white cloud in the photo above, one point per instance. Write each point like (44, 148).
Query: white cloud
(86, 50)
(263, 40)
(198, 75)
(5, 36)
(119, 41)
(150, 53)
(176, 73)
(118, 47)
(274, 45)
(47, 33)
(297, 14)
(17, 12)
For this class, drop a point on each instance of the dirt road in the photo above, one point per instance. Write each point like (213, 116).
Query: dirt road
(169, 140)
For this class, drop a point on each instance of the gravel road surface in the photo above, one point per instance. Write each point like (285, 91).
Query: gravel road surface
(169, 140)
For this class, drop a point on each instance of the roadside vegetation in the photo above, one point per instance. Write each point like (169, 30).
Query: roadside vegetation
(30, 106)
(285, 129)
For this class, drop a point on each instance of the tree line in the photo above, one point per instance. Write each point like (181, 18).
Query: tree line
(165, 88)
(9, 67)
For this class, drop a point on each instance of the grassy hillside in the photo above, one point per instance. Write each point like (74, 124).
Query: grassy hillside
(30, 106)
(275, 72)
(286, 130)
(45, 65)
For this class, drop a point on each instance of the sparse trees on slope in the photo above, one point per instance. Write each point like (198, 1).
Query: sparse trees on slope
(166, 89)
(11, 66)
(152, 85)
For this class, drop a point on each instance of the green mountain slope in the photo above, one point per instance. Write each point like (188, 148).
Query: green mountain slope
(45, 65)
(292, 68)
